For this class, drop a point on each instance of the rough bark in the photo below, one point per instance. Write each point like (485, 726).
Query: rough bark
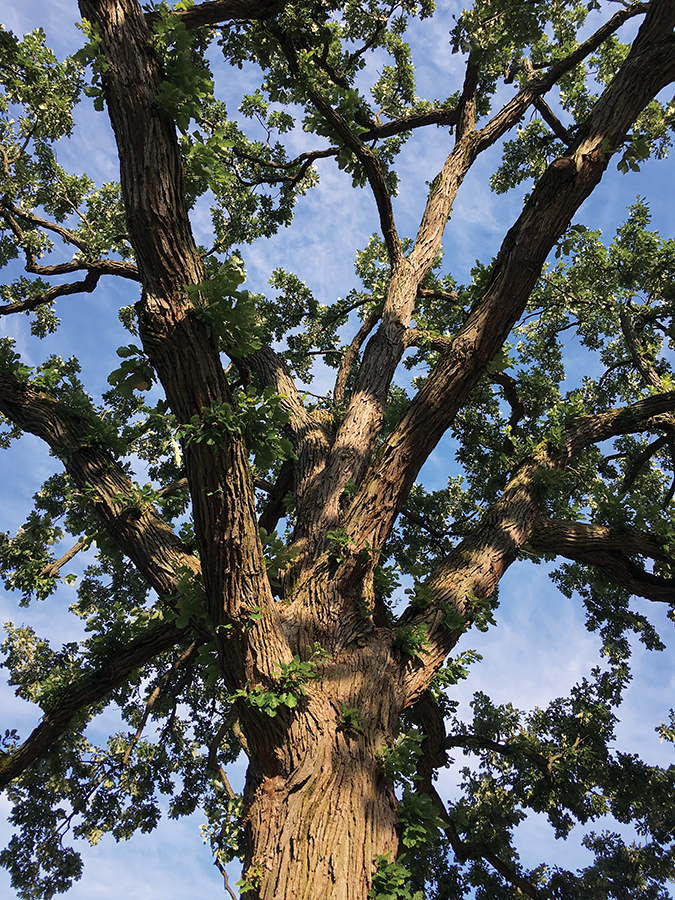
(177, 342)
(319, 807)
(614, 552)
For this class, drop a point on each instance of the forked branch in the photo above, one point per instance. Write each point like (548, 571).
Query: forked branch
(465, 850)
(471, 571)
(649, 66)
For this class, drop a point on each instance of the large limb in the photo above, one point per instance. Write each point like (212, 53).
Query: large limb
(562, 189)
(471, 571)
(310, 438)
(139, 531)
(361, 425)
(179, 345)
(610, 550)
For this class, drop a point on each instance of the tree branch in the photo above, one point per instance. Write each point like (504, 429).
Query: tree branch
(466, 108)
(429, 717)
(359, 430)
(472, 570)
(53, 569)
(553, 121)
(278, 491)
(351, 354)
(636, 350)
(185, 655)
(181, 348)
(609, 550)
(304, 160)
(644, 415)
(510, 387)
(559, 193)
(140, 533)
(440, 116)
(641, 459)
(94, 272)
(309, 437)
(437, 294)
(464, 850)
(10, 209)
(214, 12)
(473, 743)
(371, 166)
(87, 286)
(89, 688)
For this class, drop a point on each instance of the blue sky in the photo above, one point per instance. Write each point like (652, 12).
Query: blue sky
(540, 647)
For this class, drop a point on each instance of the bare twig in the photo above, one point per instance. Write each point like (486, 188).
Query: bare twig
(212, 764)
(52, 570)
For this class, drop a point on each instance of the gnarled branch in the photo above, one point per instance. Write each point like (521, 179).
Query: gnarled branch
(610, 550)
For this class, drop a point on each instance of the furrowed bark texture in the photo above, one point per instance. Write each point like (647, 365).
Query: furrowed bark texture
(614, 552)
(176, 341)
(320, 809)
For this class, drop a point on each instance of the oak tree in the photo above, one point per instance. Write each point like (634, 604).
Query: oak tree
(246, 598)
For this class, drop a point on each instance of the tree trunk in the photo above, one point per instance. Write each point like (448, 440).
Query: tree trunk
(319, 805)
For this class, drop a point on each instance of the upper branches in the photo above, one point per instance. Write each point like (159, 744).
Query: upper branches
(559, 193)
(360, 427)
(371, 167)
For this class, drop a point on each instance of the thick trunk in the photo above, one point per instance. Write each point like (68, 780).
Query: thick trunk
(319, 807)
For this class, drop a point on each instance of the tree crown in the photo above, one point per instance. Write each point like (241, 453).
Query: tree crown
(249, 542)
